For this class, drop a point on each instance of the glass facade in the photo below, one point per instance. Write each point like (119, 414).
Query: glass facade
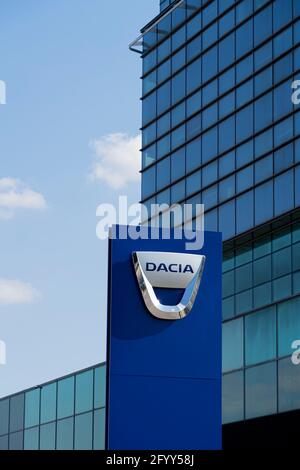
(219, 128)
(67, 414)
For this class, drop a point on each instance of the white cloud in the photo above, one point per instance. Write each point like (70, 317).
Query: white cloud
(117, 160)
(17, 292)
(15, 195)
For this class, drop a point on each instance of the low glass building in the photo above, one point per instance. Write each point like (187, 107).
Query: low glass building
(65, 414)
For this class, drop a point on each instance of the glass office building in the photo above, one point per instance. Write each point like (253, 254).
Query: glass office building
(219, 128)
(66, 414)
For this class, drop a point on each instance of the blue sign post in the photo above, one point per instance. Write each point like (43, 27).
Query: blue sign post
(164, 345)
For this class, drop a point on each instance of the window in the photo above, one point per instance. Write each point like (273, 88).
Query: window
(244, 93)
(193, 126)
(163, 97)
(99, 430)
(263, 56)
(163, 71)
(209, 144)
(84, 431)
(244, 212)
(226, 23)
(16, 441)
(149, 156)
(289, 385)
(244, 154)
(244, 38)
(47, 436)
(163, 173)
(226, 134)
(233, 356)
(193, 183)
(243, 10)
(194, 75)
(210, 35)
(210, 64)
(244, 68)
(149, 134)
(193, 155)
(263, 80)
(48, 403)
(262, 270)
(178, 114)
(260, 336)
(226, 52)
(178, 38)
(263, 112)
(149, 182)
(262, 25)
(226, 164)
(149, 108)
(210, 197)
(16, 419)
(178, 164)
(163, 146)
(284, 192)
(210, 116)
(282, 13)
(283, 68)
(84, 391)
(65, 401)
(4, 413)
(261, 390)
(227, 220)
(65, 433)
(244, 123)
(284, 158)
(227, 80)
(31, 439)
(227, 188)
(244, 179)
(263, 211)
(163, 124)
(243, 278)
(282, 100)
(210, 173)
(233, 397)
(226, 105)
(4, 442)
(149, 82)
(210, 12)
(194, 25)
(228, 283)
(193, 103)
(100, 387)
(178, 192)
(263, 143)
(32, 408)
(209, 92)
(194, 48)
(178, 87)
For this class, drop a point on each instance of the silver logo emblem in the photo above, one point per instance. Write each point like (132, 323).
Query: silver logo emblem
(168, 270)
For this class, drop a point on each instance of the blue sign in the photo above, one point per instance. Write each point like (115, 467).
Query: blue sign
(164, 345)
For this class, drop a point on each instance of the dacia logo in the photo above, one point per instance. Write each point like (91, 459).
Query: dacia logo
(171, 268)
(172, 271)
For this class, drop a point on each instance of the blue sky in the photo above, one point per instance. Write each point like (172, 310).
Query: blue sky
(71, 81)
